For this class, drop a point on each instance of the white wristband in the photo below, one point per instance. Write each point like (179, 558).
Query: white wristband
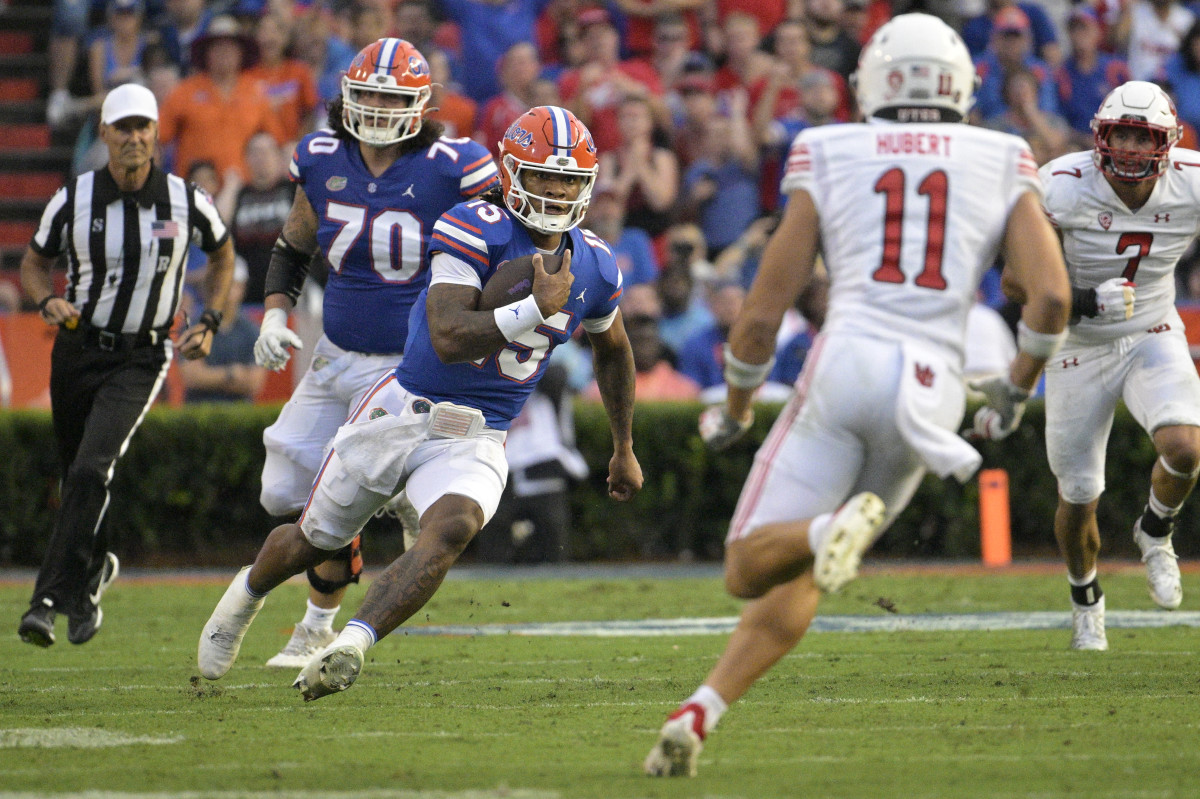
(740, 374)
(273, 319)
(518, 318)
(1038, 345)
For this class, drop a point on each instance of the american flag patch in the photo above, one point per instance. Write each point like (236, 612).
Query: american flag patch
(164, 229)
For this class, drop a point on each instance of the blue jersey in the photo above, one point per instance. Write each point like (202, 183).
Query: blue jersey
(374, 231)
(484, 236)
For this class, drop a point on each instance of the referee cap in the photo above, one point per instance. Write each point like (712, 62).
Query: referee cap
(129, 100)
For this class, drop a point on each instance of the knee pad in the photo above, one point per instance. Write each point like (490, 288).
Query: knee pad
(1080, 491)
(351, 555)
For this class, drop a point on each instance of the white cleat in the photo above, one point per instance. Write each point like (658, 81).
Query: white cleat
(306, 643)
(1162, 568)
(222, 635)
(1087, 623)
(851, 532)
(678, 746)
(332, 672)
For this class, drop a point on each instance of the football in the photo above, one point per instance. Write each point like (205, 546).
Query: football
(513, 280)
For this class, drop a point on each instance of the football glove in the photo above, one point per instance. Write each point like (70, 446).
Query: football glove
(274, 338)
(1114, 299)
(1004, 408)
(719, 430)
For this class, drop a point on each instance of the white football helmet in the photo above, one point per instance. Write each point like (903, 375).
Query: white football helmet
(915, 68)
(1135, 104)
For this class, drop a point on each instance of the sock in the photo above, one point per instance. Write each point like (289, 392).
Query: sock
(357, 633)
(817, 528)
(1085, 590)
(714, 706)
(316, 618)
(1158, 520)
(245, 580)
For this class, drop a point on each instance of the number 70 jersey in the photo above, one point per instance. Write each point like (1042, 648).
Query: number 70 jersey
(911, 217)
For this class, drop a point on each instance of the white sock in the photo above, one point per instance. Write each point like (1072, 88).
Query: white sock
(357, 633)
(1079, 582)
(316, 618)
(817, 528)
(244, 578)
(714, 706)
(1160, 509)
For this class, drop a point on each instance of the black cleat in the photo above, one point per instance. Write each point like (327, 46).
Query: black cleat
(82, 626)
(37, 625)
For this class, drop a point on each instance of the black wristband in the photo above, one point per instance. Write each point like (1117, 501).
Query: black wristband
(211, 319)
(1083, 303)
(42, 305)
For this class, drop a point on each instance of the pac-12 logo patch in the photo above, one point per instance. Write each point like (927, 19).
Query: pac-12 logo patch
(336, 183)
(1105, 219)
(377, 413)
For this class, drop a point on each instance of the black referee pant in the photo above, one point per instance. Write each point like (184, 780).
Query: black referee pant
(98, 398)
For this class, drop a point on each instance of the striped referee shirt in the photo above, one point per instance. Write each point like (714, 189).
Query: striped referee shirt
(127, 251)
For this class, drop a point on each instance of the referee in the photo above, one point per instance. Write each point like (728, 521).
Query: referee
(125, 229)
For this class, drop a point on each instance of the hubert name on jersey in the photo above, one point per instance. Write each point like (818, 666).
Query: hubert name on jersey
(908, 143)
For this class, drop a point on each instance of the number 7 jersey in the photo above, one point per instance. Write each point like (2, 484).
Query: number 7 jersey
(1103, 239)
(911, 216)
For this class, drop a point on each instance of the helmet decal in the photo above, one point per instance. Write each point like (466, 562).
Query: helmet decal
(547, 140)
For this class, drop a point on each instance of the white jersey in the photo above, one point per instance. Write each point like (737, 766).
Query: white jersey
(1103, 239)
(911, 216)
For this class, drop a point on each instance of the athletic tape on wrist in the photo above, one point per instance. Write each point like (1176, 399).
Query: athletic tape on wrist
(518, 318)
(740, 374)
(1038, 345)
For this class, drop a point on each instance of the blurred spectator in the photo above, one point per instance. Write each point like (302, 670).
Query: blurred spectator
(1087, 76)
(368, 24)
(211, 115)
(768, 13)
(670, 53)
(594, 90)
(1009, 51)
(720, 188)
(454, 110)
(326, 55)
(519, 70)
(1182, 77)
(832, 47)
(861, 18)
(1156, 28)
(10, 297)
(778, 94)
(739, 261)
(744, 63)
(697, 94)
(977, 31)
(1048, 134)
(229, 373)
(162, 80)
(656, 379)
(68, 25)
(702, 356)
(184, 24)
(792, 353)
(631, 246)
(545, 92)
(557, 35)
(259, 211)
(533, 521)
(115, 55)
(643, 172)
(683, 310)
(643, 18)
(287, 82)
(488, 28)
(415, 23)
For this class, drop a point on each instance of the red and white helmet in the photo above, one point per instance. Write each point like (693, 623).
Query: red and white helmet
(547, 139)
(915, 61)
(389, 66)
(1135, 104)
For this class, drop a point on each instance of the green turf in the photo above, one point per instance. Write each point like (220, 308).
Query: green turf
(1002, 714)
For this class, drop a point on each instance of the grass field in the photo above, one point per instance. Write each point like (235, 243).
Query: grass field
(885, 714)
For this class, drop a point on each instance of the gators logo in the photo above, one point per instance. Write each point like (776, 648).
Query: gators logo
(417, 66)
(518, 134)
(377, 413)
(421, 406)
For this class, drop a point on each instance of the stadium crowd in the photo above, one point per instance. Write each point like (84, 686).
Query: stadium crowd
(692, 105)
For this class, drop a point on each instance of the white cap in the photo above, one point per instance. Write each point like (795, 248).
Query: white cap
(129, 100)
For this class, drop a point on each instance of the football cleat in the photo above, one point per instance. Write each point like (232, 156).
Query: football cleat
(37, 625)
(306, 643)
(399, 508)
(1087, 624)
(678, 746)
(222, 635)
(81, 627)
(1162, 567)
(851, 532)
(331, 673)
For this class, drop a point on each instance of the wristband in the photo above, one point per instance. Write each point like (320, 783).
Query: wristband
(41, 306)
(1038, 345)
(211, 319)
(1083, 303)
(518, 318)
(740, 374)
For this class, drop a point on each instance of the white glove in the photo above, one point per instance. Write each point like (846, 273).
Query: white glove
(1005, 406)
(718, 429)
(274, 338)
(1114, 299)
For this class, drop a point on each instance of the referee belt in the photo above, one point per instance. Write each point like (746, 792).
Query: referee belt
(113, 342)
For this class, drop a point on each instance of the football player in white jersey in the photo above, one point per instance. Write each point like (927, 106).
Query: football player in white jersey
(1125, 211)
(909, 211)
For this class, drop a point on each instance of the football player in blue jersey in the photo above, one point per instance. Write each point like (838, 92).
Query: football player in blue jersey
(436, 425)
(369, 190)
